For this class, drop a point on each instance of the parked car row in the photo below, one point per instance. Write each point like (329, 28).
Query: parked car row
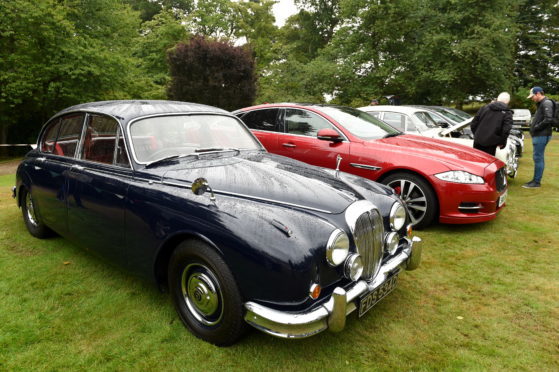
(278, 224)
(424, 121)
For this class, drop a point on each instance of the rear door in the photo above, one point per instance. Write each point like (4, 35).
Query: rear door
(265, 124)
(98, 185)
(48, 172)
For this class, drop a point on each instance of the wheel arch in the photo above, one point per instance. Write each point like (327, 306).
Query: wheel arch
(165, 251)
(418, 174)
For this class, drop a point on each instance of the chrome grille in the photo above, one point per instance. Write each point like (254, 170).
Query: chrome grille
(501, 179)
(366, 224)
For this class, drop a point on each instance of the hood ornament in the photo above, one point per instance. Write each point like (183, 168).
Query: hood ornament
(338, 161)
(200, 186)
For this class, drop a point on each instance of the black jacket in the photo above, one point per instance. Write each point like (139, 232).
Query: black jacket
(492, 124)
(541, 123)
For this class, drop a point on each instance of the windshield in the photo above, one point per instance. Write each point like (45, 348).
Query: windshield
(449, 115)
(423, 121)
(462, 114)
(160, 137)
(521, 112)
(359, 123)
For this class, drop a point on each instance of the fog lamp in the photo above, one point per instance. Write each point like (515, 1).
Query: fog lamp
(391, 241)
(353, 267)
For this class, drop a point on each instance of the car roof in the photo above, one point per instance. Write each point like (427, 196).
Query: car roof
(131, 109)
(401, 109)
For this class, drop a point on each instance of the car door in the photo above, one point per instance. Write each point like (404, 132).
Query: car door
(265, 125)
(98, 185)
(48, 172)
(300, 139)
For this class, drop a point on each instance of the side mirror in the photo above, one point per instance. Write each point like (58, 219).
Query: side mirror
(442, 124)
(328, 134)
(200, 186)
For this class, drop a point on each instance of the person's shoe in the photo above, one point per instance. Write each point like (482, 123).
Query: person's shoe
(531, 185)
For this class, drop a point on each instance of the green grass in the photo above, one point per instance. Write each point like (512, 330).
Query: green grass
(486, 297)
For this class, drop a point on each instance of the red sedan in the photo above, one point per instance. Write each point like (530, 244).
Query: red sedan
(438, 180)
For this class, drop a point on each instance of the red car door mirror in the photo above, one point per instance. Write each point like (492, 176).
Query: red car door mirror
(328, 134)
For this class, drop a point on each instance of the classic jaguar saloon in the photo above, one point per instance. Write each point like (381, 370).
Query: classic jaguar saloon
(184, 194)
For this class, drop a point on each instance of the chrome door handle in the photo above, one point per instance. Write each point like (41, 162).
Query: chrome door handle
(77, 167)
(41, 159)
(288, 145)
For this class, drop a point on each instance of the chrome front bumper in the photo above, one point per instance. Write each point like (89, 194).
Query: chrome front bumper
(332, 314)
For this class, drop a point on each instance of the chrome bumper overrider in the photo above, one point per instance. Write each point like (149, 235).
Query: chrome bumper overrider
(332, 314)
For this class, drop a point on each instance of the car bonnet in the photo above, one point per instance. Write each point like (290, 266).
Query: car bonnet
(266, 177)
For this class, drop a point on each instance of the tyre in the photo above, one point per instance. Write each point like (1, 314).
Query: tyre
(418, 196)
(32, 219)
(205, 293)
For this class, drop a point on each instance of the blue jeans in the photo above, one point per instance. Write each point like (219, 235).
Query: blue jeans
(539, 144)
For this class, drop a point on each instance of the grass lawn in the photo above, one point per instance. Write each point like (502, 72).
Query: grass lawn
(486, 297)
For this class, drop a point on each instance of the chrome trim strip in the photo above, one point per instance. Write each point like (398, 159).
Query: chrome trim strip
(332, 313)
(476, 207)
(365, 166)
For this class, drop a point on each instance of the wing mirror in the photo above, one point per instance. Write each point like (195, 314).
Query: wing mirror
(200, 186)
(328, 134)
(442, 124)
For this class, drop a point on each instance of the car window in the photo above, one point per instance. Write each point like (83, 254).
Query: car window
(395, 119)
(424, 121)
(62, 136)
(159, 137)
(100, 139)
(304, 123)
(359, 123)
(266, 119)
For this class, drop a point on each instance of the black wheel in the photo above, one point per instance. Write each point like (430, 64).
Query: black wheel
(205, 293)
(32, 220)
(418, 196)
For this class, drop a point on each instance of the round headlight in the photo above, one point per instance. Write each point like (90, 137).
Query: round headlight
(391, 242)
(353, 267)
(337, 248)
(397, 216)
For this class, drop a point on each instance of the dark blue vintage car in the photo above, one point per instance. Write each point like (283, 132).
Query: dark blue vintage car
(185, 194)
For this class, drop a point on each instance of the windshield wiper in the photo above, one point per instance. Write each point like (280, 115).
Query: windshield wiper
(216, 149)
(392, 135)
(167, 158)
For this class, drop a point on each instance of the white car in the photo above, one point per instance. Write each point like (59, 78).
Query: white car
(521, 118)
(423, 122)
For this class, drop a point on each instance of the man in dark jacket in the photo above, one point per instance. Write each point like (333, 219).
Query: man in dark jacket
(540, 130)
(492, 124)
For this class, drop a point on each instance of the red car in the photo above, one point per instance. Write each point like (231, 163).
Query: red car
(438, 180)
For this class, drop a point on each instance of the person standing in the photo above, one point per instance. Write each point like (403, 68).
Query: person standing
(492, 125)
(540, 130)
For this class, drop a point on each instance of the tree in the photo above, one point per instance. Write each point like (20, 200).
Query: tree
(158, 36)
(212, 72)
(54, 54)
(537, 45)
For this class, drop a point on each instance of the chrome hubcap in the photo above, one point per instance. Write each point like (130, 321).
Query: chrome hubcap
(31, 216)
(202, 294)
(414, 198)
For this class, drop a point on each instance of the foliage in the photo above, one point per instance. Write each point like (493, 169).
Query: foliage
(54, 54)
(212, 72)
(159, 35)
(537, 45)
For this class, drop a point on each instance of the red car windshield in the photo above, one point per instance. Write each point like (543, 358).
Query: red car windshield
(359, 123)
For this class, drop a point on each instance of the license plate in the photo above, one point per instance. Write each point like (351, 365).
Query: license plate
(366, 302)
(502, 199)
